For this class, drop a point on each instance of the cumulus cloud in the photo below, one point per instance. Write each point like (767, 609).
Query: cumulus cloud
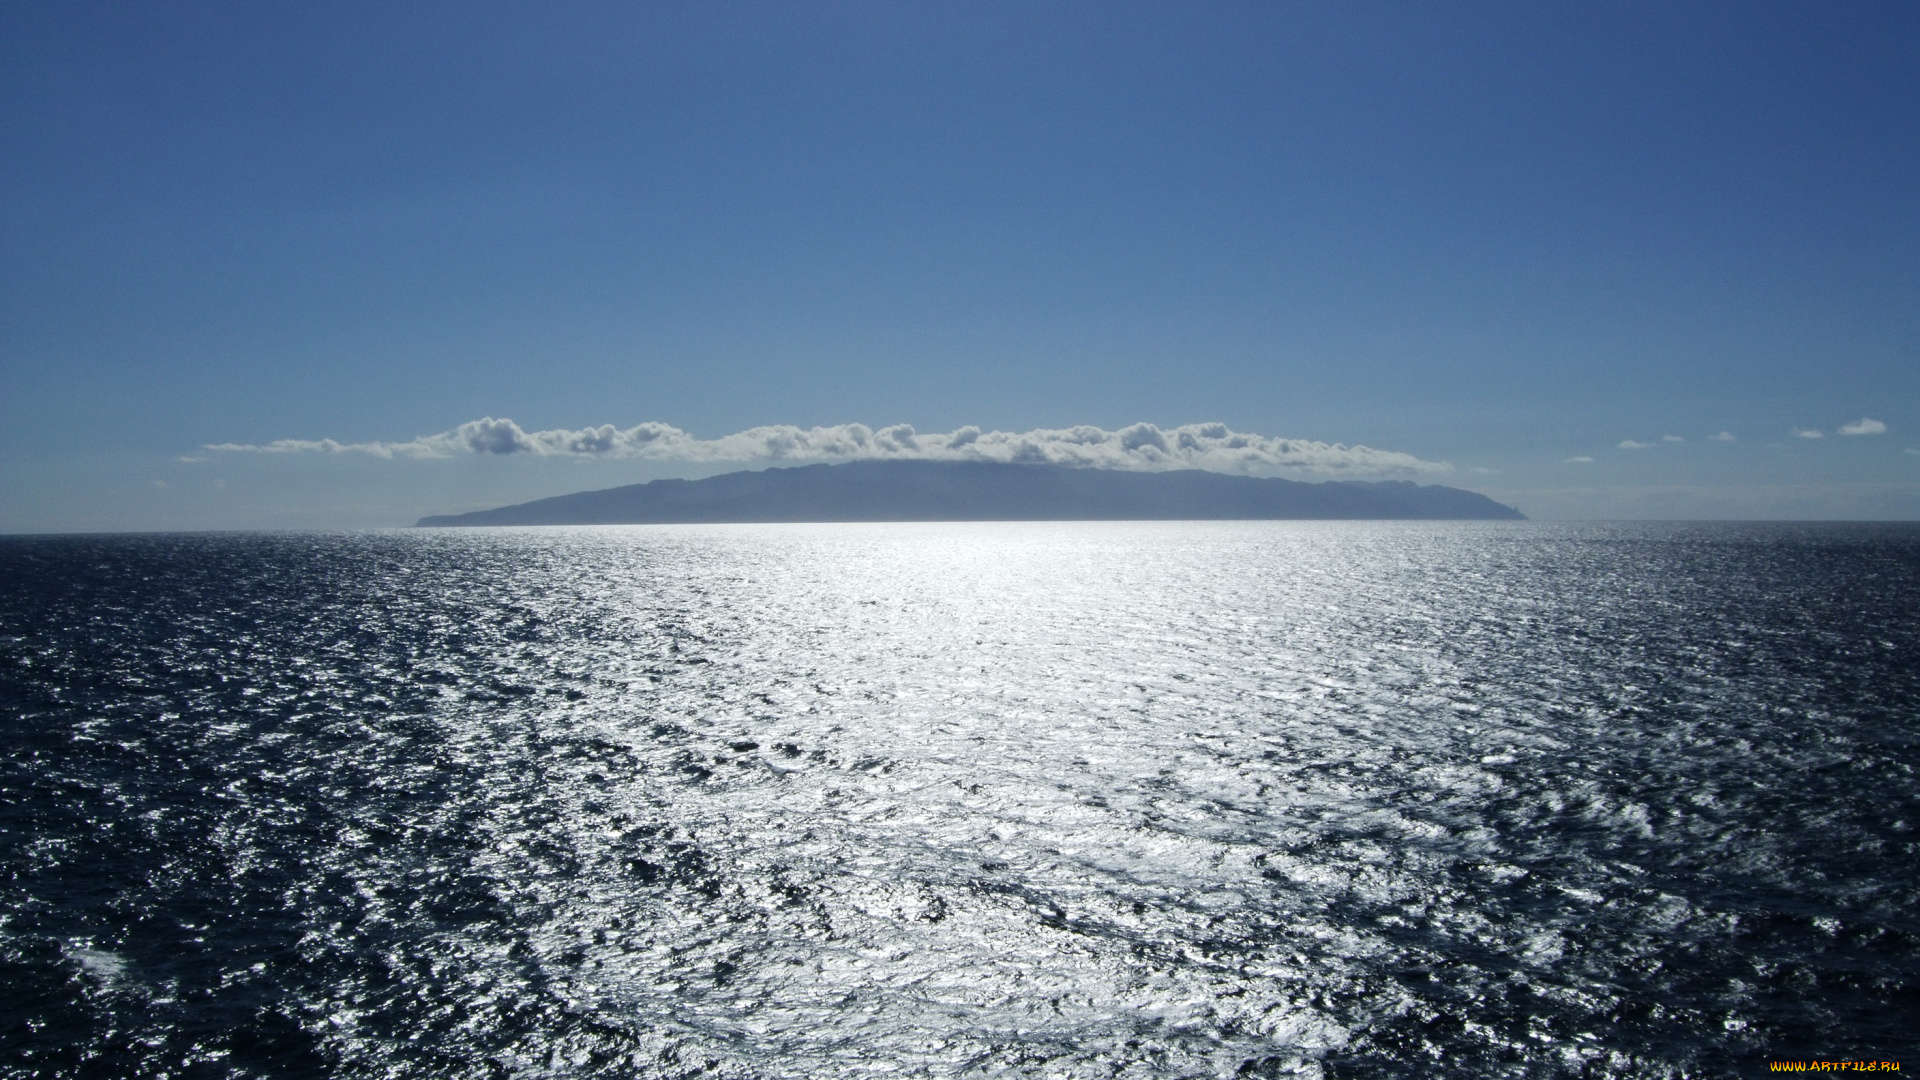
(1673, 438)
(1725, 436)
(1629, 444)
(1138, 446)
(1807, 433)
(1581, 460)
(1864, 426)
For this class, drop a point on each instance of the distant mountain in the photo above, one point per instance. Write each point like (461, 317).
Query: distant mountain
(984, 491)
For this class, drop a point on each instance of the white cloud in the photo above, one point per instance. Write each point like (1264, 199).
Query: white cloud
(1672, 438)
(1629, 444)
(1807, 433)
(1864, 426)
(1725, 436)
(1139, 446)
(1579, 460)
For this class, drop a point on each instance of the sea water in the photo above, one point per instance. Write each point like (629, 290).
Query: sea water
(1024, 800)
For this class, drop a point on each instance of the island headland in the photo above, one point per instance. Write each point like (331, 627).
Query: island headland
(986, 491)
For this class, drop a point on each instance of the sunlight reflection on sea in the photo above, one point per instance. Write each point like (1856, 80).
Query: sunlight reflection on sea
(1088, 799)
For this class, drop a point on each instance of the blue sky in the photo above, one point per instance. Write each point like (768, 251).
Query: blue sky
(1499, 238)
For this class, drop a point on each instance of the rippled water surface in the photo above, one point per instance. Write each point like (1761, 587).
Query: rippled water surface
(1048, 800)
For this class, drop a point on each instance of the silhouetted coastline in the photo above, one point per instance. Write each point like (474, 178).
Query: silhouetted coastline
(986, 491)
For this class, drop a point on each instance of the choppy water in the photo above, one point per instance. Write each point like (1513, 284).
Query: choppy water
(1078, 800)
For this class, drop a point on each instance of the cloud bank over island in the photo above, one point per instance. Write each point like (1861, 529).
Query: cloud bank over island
(1214, 447)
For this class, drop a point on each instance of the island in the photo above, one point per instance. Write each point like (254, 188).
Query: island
(986, 491)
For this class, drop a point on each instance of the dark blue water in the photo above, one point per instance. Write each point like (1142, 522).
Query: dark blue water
(1078, 800)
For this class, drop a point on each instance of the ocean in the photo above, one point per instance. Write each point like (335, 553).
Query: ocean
(1094, 799)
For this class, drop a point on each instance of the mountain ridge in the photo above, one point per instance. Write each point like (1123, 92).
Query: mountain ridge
(984, 491)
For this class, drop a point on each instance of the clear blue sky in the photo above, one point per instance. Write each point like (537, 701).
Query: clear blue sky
(1499, 236)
